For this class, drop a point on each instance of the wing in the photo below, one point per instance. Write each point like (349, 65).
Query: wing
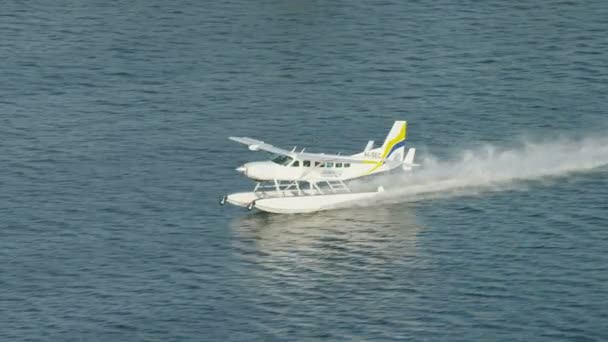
(256, 145)
(337, 158)
(259, 145)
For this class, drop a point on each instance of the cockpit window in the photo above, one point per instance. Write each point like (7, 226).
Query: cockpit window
(282, 160)
(296, 163)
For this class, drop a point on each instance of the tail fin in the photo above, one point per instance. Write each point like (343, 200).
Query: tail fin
(394, 144)
(391, 152)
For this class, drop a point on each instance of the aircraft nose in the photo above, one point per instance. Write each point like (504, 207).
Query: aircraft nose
(241, 169)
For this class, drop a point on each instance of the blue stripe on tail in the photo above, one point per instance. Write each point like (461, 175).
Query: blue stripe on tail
(395, 147)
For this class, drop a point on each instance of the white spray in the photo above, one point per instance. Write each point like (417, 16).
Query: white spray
(491, 168)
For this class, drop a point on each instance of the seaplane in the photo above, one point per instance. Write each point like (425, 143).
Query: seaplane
(302, 182)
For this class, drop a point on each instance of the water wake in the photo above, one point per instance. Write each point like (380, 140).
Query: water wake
(492, 168)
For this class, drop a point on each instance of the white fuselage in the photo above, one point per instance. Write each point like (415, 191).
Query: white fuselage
(294, 168)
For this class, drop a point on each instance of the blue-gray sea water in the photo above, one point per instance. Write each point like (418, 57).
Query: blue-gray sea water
(114, 118)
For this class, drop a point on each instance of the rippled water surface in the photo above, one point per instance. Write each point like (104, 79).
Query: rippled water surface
(113, 126)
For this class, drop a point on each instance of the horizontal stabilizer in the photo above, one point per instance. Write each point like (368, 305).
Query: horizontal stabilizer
(408, 161)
